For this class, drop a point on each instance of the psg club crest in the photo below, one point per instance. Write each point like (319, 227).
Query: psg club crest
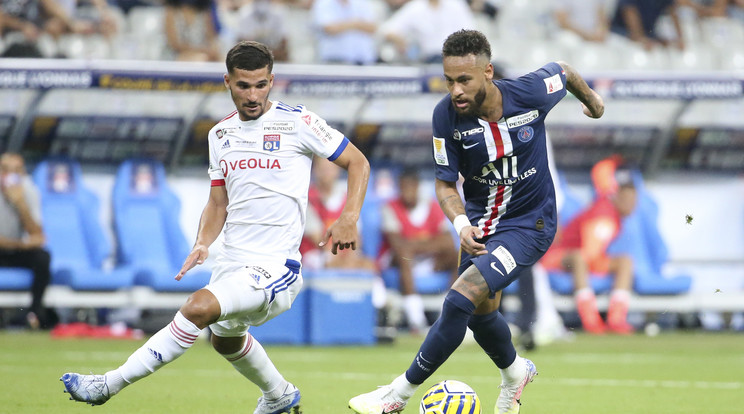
(271, 142)
(525, 133)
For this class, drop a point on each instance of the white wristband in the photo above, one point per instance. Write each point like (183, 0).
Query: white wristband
(460, 222)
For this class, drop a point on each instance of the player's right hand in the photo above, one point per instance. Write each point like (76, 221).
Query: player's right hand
(197, 256)
(468, 243)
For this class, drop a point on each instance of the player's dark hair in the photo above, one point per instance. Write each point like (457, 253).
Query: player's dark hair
(249, 55)
(409, 172)
(466, 42)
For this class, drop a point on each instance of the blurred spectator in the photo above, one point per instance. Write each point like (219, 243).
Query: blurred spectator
(488, 7)
(706, 8)
(582, 245)
(21, 236)
(262, 21)
(87, 17)
(418, 29)
(636, 20)
(736, 10)
(583, 19)
(345, 31)
(326, 200)
(190, 31)
(126, 5)
(716, 8)
(418, 240)
(34, 17)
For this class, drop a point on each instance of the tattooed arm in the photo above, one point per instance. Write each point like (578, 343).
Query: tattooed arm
(591, 101)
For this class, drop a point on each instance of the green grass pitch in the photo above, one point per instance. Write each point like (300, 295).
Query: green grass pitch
(671, 373)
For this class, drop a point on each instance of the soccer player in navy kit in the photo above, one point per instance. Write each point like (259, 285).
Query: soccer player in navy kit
(493, 133)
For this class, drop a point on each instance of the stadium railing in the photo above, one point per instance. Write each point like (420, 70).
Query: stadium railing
(103, 112)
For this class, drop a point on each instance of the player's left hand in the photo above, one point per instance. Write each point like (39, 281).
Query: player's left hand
(197, 256)
(595, 109)
(343, 232)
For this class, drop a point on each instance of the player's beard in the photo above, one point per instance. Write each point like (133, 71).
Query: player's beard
(243, 106)
(255, 113)
(474, 107)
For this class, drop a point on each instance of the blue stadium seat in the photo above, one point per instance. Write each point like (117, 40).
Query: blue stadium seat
(146, 222)
(562, 282)
(572, 205)
(433, 283)
(643, 241)
(75, 238)
(291, 327)
(340, 309)
(369, 218)
(15, 278)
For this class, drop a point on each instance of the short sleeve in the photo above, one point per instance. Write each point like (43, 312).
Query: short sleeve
(399, 22)
(214, 171)
(320, 138)
(445, 151)
(541, 89)
(389, 222)
(33, 199)
(322, 14)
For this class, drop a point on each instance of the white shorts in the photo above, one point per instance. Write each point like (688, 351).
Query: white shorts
(236, 287)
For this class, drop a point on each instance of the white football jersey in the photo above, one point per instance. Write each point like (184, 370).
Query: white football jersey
(265, 166)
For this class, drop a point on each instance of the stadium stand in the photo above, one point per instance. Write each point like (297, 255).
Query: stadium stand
(146, 222)
(648, 118)
(75, 239)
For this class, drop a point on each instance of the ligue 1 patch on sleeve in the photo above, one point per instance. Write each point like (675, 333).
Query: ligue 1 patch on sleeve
(440, 152)
(553, 84)
(505, 257)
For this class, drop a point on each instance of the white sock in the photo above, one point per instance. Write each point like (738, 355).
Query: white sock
(165, 346)
(404, 388)
(514, 372)
(620, 295)
(584, 293)
(413, 305)
(253, 363)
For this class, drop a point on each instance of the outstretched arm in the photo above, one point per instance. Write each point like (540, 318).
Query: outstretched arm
(210, 225)
(451, 204)
(592, 103)
(344, 230)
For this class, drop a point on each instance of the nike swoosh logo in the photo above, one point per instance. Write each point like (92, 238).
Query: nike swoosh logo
(469, 146)
(493, 266)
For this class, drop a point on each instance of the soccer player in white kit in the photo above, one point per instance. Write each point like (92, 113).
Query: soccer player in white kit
(260, 158)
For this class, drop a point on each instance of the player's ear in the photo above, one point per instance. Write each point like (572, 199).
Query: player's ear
(227, 80)
(489, 72)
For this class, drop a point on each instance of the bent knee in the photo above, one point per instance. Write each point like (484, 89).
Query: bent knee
(201, 308)
(228, 345)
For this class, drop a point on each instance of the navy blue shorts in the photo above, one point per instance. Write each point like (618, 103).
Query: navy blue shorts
(509, 252)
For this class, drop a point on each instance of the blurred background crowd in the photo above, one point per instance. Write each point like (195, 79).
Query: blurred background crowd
(600, 34)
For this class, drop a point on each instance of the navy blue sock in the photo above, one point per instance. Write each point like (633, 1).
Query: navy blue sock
(444, 337)
(493, 335)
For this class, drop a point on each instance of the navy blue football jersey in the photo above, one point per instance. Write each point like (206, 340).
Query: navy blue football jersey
(505, 163)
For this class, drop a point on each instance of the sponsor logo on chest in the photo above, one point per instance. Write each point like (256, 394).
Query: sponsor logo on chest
(459, 135)
(253, 163)
(522, 119)
(285, 127)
